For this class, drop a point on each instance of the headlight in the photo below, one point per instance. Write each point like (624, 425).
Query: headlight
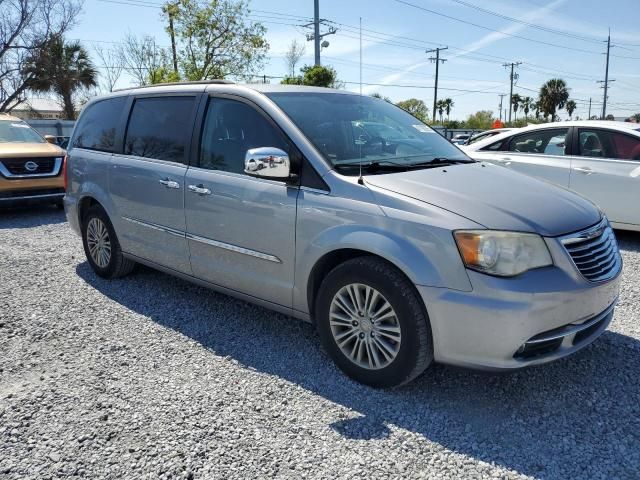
(502, 253)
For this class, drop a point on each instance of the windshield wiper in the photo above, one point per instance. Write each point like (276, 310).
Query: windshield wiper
(387, 165)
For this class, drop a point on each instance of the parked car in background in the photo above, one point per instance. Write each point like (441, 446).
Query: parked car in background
(487, 134)
(598, 159)
(460, 138)
(30, 166)
(273, 194)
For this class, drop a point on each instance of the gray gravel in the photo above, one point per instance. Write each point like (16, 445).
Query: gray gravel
(152, 377)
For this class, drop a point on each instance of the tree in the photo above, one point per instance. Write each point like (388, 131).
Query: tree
(570, 107)
(610, 117)
(448, 105)
(516, 101)
(315, 76)
(528, 104)
(415, 107)
(553, 96)
(63, 68)
(440, 106)
(480, 120)
(112, 66)
(144, 60)
(216, 39)
(292, 56)
(381, 97)
(636, 117)
(536, 108)
(25, 28)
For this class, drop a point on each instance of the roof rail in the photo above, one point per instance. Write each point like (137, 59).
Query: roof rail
(194, 82)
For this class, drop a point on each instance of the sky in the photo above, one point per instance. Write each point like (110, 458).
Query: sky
(552, 38)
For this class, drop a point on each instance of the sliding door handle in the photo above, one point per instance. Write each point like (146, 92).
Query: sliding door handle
(199, 189)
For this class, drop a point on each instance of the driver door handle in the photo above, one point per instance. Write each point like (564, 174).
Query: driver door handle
(585, 170)
(199, 189)
(167, 182)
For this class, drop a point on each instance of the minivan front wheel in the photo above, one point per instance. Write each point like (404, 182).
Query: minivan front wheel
(101, 245)
(372, 323)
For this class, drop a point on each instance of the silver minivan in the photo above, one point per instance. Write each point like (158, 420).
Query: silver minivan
(401, 250)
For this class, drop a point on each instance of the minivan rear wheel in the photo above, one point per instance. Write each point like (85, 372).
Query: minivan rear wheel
(372, 323)
(101, 245)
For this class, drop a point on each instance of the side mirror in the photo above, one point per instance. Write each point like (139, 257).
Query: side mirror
(267, 162)
(50, 138)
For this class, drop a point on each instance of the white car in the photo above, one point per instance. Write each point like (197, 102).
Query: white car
(487, 134)
(598, 159)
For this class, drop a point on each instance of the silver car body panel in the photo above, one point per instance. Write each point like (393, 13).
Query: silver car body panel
(260, 240)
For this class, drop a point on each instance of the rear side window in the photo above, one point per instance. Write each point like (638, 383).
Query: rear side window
(160, 128)
(96, 129)
(608, 144)
(494, 146)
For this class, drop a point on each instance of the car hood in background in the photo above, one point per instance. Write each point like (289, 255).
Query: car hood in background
(495, 197)
(18, 149)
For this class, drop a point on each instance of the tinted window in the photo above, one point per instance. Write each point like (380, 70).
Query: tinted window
(549, 142)
(494, 146)
(230, 129)
(160, 128)
(351, 129)
(96, 129)
(608, 144)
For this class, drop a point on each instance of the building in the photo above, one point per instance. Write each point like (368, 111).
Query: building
(38, 109)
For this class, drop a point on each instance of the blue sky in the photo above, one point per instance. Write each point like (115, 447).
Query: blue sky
(395, 35)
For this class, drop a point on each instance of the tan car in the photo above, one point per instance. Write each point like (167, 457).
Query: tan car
(31, 168)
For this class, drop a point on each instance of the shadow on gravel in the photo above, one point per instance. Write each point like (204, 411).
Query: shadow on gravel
(628, 240)
(30, 216)
(578, 417)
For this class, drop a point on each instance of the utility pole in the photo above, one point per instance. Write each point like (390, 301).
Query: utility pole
(316, 31)
(589, 117)
(513, 76)
(606, 78)
(316, 36)
(436, 59)
(501, 95)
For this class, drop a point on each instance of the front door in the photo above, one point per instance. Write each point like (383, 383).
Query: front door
(607, 172)
(240, 229)
(147, 181)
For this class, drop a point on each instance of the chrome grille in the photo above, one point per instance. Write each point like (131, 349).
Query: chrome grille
(594, 252)
(30, 167)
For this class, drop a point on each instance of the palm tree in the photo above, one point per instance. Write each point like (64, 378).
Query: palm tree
(448, 105)
(441, 107)
(62, 68)
(553, 96)
(527, 105)
(570, 107)
(516, 101)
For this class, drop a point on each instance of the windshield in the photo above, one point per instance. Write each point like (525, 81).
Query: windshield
(18, 132)
(352, 129)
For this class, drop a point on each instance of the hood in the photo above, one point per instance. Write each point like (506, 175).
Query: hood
(494, 197)
(16, 149)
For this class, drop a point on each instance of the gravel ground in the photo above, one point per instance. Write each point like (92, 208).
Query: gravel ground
(152, 377)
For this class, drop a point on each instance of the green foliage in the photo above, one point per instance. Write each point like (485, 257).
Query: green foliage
(415, 107)
(570, 107)
(440, 107)
(448, 105)
(636, 117)
(315, 76)
(553, 97)
(379, 96)
(163, 74)
(516, 102)
(480, 120)
(216, 38)
(63, 68)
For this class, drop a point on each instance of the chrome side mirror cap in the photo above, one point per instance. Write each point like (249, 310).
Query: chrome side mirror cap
(267, 162)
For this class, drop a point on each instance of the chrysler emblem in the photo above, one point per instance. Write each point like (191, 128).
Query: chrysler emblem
(31, 166)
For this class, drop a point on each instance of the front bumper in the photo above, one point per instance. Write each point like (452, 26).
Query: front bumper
(510, 323)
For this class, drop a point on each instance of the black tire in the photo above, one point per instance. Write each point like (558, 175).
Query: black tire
(118, 265)
(415, 352)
